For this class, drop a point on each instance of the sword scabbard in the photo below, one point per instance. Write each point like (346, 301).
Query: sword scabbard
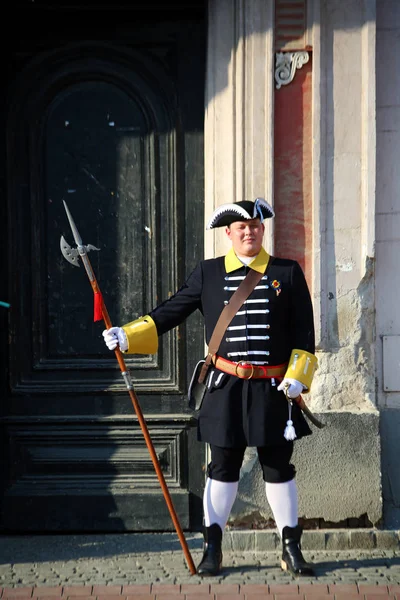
(300, 402)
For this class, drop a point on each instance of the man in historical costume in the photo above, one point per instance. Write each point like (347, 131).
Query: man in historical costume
(267, 353)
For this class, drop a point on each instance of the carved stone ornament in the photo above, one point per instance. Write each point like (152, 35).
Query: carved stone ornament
(286, 64)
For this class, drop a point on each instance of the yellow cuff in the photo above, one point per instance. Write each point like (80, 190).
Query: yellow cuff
(302, 366)
(142, 336)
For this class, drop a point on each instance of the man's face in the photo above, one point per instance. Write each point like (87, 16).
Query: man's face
(246, 236)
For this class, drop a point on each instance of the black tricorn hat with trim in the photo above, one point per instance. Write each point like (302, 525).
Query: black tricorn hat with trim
(226, 214)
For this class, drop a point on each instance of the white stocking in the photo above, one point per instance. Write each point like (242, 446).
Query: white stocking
(282, 498)
(218, 500)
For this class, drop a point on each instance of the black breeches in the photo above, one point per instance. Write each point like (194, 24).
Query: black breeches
(274, 460)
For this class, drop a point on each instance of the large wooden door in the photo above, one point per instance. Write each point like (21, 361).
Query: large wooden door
(105, 111)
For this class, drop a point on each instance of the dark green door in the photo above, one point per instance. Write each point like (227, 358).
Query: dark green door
(108, 118)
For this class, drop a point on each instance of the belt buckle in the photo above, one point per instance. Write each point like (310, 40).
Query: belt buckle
(243, 362)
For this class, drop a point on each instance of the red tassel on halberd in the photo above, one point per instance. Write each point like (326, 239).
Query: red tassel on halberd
(98, 304)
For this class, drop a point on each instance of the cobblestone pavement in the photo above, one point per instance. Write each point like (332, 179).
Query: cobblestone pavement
(58, 566)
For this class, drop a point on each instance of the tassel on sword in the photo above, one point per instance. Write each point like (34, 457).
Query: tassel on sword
(290, 433)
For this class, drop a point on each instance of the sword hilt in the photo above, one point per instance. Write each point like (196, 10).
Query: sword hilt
(304, 408)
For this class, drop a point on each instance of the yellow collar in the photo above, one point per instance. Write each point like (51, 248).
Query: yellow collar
(259, 263)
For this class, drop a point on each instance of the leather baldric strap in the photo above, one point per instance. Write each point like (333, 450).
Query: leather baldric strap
(237, 300)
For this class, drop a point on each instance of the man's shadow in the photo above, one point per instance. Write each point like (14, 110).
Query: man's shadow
(322, 567)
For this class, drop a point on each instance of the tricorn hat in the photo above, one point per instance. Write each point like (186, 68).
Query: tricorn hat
(245, 210)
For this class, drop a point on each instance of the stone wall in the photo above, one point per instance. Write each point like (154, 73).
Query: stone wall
(388, 250)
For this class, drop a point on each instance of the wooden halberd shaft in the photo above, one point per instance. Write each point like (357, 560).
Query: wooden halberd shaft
(136, 405)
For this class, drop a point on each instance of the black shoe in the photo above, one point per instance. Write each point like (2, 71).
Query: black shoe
(211, 562)
(292, 558)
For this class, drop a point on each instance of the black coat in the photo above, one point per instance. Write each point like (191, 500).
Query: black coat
(273, 322)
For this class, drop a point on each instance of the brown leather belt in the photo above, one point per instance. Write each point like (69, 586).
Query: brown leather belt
(245, 370)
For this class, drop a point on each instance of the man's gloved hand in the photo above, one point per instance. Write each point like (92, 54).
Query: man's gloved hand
(295, 387)
(115, 336)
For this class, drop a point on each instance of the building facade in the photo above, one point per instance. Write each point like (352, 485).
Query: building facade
(144, 121)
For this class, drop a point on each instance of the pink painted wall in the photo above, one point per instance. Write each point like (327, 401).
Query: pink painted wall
(292, 170)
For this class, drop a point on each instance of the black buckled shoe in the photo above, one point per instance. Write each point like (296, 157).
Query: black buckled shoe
(292, 558)
(211, 562)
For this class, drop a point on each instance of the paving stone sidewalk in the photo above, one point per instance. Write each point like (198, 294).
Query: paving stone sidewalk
(153, 567)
